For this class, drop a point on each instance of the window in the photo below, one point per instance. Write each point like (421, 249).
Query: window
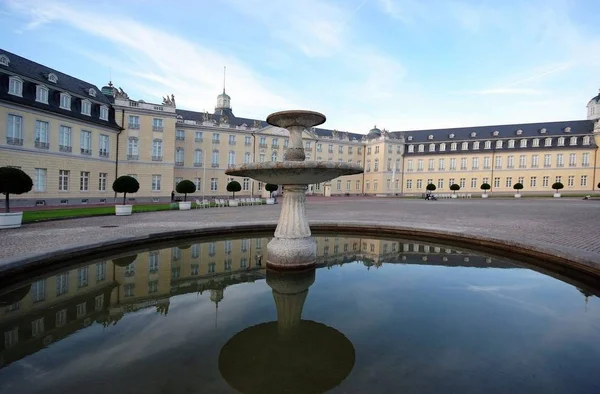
(357, 185)
(38, 291)
(41, 134)
(261, 158)
(104, 145)
(560, 141)
(511, 143)
(583, 180)
(157, 150)
(560, 160)
(63, 180)
(419, 183)
(473, 183)
(498, 163)
(453, 146)
(431, 147)
(499, 144)
(246, 184)
(521, 180)
(86, 107)
(134, 122)
(39, 180)
(411, 148)
(443, 147)
(545, 181)
(450, 181)
(536, 142)
(442, 165)
(339, 185)
(476, 145)
(82, 276)
(463, 163)
(348, 185)
(535, 161)
(231, 139)
(103, 112)
(37, 327)
(92, 92)
(84, 181)
(132, 148)
(571, 181)
(375, 185)
(419, 165)
(100, 271)
(213, 184)
(4, 60)
(475, 163)
(179, 156)
(488, 144)
(409, 165)
(486, 163)
(421, 148)
(523, 143)
(156, 183)
(586, 140)
(510, 162)
(86, 142)
(573, 141)
(462, 183)
(231, 158)
(14, 131)
(508, 181)
(440, 184)
(274, 156)
(41, 94)
(585, 159)
(215, 159)
(198, 158)
(496, 182)
(157, 124)
(65, 101)
(377, 149)
(548, 142)
(547, 160)
(102, 181)
(247, 157)
(558, 178)
(465, 146)
(15, 86)
(486, 180)
(452, 164)
(308, 145)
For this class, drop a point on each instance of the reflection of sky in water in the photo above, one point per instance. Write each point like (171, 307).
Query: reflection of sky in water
(415, 328)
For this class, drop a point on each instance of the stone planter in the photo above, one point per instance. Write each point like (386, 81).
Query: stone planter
(556, 195)
(517, 195)
(270, 201)
(234, 203)
(454, 196)
(185, 205)
(484, 196)
(10, 220)
(123, 210)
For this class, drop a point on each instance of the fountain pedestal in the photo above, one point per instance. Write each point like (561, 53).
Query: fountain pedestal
(293, 247)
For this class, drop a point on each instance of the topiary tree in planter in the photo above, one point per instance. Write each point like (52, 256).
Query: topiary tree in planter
(185, 187)
(485, 187)
(431, 187)
(518, 187)
(13, 181)
(125, 184)
(233, 187)
(557, 186)
(454, 187)
(271, 188)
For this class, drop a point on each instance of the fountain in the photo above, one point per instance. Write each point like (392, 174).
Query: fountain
(293, 247)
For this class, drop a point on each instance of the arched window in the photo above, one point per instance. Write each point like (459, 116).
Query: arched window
(231, 158)
(411, 148)
(465, 146)
(443, 147)
(431, 147)
(274, 156)
(198, 159)
(421, 148)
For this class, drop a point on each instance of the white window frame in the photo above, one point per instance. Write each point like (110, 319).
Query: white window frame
(65, 101)
(84, 181)
(102, 180)
(15, 86)
(40, 176)
(63, 180)
(103, 112)
(41, 94)
(85, 142)
(14, 129)
(214, 184)
(86, 107)
(156, 180)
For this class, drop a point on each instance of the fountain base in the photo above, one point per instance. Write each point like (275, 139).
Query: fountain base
(291, 253)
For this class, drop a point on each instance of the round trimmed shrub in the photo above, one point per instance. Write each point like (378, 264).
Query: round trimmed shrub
(557, 186)
(14, 181)
(518, 186)
(485, 187)
(431, 187)
(185, 187)
(234, 186)
(454, 187)
(271, 188)
(125, 184)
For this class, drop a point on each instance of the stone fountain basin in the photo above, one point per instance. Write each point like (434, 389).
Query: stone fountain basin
(294, 172)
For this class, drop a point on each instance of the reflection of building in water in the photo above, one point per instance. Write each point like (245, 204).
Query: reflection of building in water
(102, 292)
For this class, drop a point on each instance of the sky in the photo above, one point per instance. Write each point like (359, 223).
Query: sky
(397, 64)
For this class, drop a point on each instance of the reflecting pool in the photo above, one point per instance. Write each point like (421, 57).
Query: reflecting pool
(376, 316)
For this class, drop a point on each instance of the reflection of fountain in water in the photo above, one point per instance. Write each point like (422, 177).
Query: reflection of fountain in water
(293, 247)
(290, 355)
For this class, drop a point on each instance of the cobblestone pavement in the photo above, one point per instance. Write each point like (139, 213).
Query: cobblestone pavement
(560, 226)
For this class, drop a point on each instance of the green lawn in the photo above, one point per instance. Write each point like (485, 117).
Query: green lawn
(62, 213)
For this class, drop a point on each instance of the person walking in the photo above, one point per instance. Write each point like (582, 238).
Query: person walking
(173, 196)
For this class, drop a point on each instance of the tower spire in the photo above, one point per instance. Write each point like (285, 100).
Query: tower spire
(224, 75)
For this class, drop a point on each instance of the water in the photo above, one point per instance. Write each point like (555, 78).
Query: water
(382, 316)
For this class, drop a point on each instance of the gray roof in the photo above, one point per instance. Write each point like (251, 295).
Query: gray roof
(552, 129)
(596, 99)
(31, 70)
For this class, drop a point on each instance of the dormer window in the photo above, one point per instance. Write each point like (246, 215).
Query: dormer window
(92, 92)
(15, 86)
(465, 146)
(421, 148)
(548, 142)
(65, 101)
(511, 143)
(536, 142)
(561, 141)
(567, 129)
(475, 145)
(430, 137)
(86, 107)
(488, 144)
(103, 112)
(409, 138)
(52, 78)
(453, 146)
(4, 60)
(41, 94)
(499, 144)
(519, 132)
(542, 131)
(473, 134)
(586, 140)
(523, 144)
(495, 133)
(451, 136)
(573, 141)
(411, 148)
(431, 147)
(443, 147)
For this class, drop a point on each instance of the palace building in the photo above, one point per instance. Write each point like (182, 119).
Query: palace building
(74, 139)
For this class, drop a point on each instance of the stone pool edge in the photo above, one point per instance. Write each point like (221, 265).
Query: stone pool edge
(579, 261)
